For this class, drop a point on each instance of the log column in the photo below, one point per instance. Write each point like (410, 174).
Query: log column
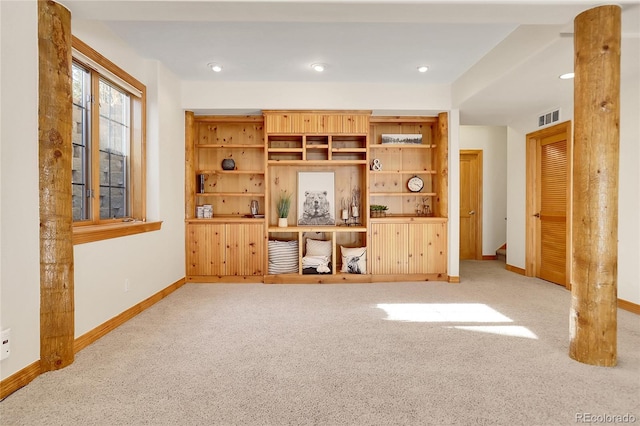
(593, 320)
(55, 156)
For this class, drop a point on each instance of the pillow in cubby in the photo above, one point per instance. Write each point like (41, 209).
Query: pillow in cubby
(354, 260)
(283, 257)
(318, 248)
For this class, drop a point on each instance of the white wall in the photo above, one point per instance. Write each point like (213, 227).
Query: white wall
(20, 279)
(516, 197)
(207, 95)
(629, 180)
(151, 261)
(492, 140)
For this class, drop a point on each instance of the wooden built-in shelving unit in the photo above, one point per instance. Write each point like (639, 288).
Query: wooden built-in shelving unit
(270, 150)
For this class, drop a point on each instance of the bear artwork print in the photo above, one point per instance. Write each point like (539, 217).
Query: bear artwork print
(316, 199)
(316, 209)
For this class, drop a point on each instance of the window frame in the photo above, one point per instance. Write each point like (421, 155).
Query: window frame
(95, 229)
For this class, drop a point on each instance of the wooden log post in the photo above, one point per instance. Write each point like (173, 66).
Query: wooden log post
(55, 156)
(593, 320)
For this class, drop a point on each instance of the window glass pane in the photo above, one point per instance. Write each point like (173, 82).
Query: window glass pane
(80, 141)
(79, 77)
(114, 150)
(113, 185)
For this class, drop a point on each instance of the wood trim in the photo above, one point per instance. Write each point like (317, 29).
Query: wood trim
(95, 334)
(190, 166)
(489, 257)
(441, 206)
(227, 118)
(376, 278)
(629, 306)
(316, 111)
(402, 119)
(515, 269)
(19, 379)
(453, 280)
(92, 54)
(530, 208)
(235, 279)
(91, 233)
(338, 278)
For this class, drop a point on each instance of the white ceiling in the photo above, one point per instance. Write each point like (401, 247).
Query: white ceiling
(485, 50)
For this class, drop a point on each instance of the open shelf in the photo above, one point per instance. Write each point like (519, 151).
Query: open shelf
(317, 162)
(402, 172)
(226, 219)
(402, 194)
(402, 145)
(226, 145)
(229, 194)
(342, 228)
(231, 172)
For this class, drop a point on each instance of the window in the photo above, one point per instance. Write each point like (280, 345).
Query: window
(108, 137)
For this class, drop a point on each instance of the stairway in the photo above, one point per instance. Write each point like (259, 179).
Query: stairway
(501, 253)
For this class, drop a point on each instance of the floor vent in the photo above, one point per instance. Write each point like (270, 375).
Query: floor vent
(549, 117)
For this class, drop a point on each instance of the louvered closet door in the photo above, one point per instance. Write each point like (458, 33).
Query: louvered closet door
(553, 209)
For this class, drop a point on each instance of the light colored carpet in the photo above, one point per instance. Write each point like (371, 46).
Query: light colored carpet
(372, 354)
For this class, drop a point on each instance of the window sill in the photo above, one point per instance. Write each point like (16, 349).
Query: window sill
(91, 233)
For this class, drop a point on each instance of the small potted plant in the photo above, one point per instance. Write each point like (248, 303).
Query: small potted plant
(283, 206)
(378, 210)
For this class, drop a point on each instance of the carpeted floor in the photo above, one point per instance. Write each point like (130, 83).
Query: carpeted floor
(491, 350)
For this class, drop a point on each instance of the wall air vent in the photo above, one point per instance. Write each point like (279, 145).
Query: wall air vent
(549, 117)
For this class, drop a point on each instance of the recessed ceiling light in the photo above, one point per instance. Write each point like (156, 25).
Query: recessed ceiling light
(423, 68)
(215, 67)
(567, 76)
(318, 67)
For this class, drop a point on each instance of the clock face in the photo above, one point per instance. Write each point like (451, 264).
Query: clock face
(415, 184)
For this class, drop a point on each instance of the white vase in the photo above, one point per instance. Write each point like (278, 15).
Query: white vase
(283, 222)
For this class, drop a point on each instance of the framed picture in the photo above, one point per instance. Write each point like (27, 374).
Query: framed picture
(316, 198)
(398, 138)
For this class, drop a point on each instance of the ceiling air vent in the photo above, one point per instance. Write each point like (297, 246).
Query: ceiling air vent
(549, 117)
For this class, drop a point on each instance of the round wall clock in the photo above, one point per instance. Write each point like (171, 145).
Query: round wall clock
(415, 184)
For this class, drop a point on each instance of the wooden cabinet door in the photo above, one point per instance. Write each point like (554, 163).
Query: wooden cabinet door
(435, 246)
(205, 249)
(427, 248)
(418, 250)
(389, 248)
(245, 249)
